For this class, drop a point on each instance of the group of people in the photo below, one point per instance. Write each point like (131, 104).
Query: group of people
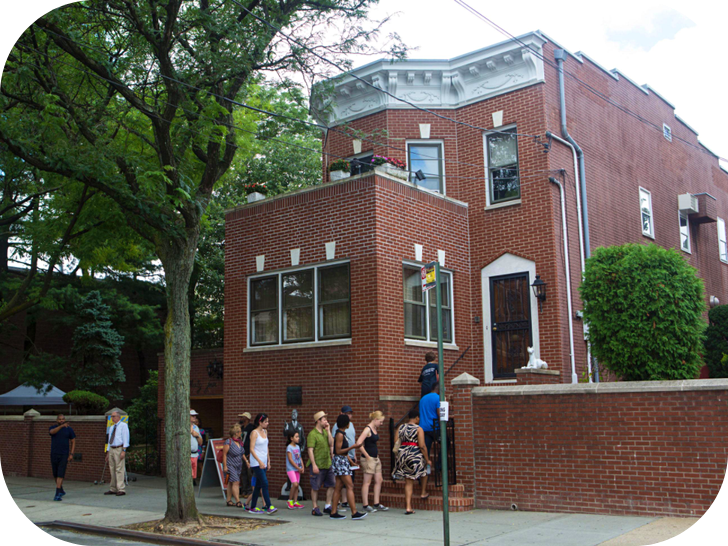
(332, 461)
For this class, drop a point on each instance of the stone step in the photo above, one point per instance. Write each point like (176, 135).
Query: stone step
(434, 503)
(392, 487)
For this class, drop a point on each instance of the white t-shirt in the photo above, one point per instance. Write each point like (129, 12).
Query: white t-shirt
(194, 446)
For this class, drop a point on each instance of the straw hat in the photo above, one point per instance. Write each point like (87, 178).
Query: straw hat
(318, 416)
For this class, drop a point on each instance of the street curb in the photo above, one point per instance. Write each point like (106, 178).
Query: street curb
(137, 535)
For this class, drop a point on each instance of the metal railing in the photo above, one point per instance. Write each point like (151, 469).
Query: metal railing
(435, 451)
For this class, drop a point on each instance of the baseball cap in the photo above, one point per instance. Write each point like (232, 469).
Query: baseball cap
(193, 412)
(347, 409)
(245, 414)
(319, 415)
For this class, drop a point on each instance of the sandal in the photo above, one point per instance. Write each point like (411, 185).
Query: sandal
(425, 497)
(230, 503)
(239, 504)
(409, 513)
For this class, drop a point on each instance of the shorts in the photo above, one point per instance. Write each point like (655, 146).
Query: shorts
(59, 462)
(372, 465)
(429, 439)
(294, 476)
(194, 460)
(245, 479)
(325, 478)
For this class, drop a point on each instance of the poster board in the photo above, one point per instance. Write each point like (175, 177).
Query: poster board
(211, 468)
(109, 424)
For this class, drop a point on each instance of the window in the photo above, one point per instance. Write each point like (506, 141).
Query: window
(667, 132)
(648, 227)
(722, 245)
(418, 323)
(428, 159)
(289, 300)
(361, 164)
(684, 232)
(503, 179)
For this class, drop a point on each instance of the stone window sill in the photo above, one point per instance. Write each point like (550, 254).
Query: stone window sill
(501, 205)
(305, 345)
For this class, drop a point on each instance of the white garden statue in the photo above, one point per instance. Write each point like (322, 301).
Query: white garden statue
(534, 362)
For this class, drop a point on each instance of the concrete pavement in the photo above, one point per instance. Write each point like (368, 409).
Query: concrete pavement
(146, 500)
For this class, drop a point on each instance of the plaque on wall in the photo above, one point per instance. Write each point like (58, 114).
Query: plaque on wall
(294, 396)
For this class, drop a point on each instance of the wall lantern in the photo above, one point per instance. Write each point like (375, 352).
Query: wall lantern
(419, 175)
(539, 290)
(214, 369)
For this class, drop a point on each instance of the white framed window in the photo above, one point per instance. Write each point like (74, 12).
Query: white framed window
(684, 232)
(667, 132)
(419, 323)
(648, 223)
(722, 244)
(427, 156)
(501, 151)
(302, 305)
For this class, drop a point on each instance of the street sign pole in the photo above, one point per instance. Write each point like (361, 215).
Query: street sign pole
(443, 424)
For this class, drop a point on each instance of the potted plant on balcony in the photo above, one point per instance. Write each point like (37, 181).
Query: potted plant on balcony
(339, 169)
(390, 166)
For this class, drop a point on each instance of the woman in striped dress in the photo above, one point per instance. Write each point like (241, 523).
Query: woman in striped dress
(233, 455)
(412, 457)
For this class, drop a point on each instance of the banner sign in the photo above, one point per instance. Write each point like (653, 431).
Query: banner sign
(213, 447)
(109, 424)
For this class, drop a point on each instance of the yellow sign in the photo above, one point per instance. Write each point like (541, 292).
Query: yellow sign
(428, 276)
(109, 424)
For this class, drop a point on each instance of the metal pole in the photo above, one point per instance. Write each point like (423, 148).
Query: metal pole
(443, 431)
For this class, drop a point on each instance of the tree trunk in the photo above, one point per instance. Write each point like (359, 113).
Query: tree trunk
(181, 505)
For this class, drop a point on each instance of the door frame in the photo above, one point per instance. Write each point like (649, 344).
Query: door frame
(507, 264)
(498, 278)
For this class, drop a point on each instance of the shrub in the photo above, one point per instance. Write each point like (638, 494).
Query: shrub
(716, 341)
(340, 165)
(644, 305)
(378, 160)
(143, 412)
(86, 403)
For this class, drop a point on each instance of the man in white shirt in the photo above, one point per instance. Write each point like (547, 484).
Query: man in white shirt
(117, 438)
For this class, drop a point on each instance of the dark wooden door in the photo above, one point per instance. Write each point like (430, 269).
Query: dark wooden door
(510, 312)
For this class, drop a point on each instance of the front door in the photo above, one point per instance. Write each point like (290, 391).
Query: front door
(510, 312)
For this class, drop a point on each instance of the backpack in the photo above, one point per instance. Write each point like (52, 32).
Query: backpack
(218, 455)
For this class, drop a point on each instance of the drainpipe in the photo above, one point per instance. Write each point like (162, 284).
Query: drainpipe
(560, 56)
(574, 378)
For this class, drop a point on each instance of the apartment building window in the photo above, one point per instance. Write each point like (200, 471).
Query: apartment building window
(418, 322)
(287, 301)
(722, 244)
(503, 176)
(428, 158)
(684, 232)
(361, 163)
(648, 225)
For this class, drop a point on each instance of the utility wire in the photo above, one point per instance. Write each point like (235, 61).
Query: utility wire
(578, 80)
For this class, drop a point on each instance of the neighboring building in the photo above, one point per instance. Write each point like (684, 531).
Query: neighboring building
(322, 286)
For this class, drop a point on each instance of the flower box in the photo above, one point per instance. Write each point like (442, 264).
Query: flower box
(335, 176)
(391, 170)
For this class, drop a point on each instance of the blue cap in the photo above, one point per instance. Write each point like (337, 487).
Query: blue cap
(347, 409)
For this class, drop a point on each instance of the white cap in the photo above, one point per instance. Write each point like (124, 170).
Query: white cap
(193, 412)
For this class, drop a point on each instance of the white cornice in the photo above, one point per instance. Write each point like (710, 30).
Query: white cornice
(450, 83)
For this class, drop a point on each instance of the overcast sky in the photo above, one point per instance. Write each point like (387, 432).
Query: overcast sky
(677, 48)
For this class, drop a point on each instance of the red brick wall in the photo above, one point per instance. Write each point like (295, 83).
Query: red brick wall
(28, 454)
(375, 223)
(636, 453)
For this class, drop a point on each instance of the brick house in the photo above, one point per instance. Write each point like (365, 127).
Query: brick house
(323, 305)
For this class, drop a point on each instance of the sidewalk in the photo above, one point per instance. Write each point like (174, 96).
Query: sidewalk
(146, 500)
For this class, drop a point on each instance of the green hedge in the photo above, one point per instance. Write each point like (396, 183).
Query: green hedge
(644, 306)
(86, 403)
(716, 341)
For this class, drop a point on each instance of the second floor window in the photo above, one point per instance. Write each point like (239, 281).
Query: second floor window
(420, 324)
(684, 232)
(428, 159)
(648, 226)
(361, 164)
(722, 244)
(503, 176)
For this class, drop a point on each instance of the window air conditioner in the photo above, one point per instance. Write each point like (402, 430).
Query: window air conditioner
(687, 202)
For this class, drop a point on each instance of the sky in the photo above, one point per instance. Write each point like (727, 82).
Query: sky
(677, 48)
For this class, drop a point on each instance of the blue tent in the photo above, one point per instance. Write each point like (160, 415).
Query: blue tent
(30, 396)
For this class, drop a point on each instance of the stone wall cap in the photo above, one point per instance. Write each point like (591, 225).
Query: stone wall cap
(607, 388)
(541, 371)
(31, 413)
(112, 410)
(466, 379)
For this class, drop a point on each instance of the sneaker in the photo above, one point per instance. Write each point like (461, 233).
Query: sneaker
(316, 512)
(381, 507)
(369, 508)
(358, 515)
(298, 505)
(337, 516)
(271, 510)
(62, 492)
(57, 498)
(291, 505)
(256, 510)
(344, 504)
(327, 510)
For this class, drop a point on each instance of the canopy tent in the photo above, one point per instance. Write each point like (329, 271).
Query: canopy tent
(30, 396)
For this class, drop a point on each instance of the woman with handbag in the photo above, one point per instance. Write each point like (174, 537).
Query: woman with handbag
(412, 456)
(233, 455)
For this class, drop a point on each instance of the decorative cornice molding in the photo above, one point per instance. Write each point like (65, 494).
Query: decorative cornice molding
(450, 83)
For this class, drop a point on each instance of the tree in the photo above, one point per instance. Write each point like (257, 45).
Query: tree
(716, 341)
(135, 101)
(644, 307)
(97, 348)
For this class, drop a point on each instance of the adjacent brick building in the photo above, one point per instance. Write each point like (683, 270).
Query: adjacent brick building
(323, 304)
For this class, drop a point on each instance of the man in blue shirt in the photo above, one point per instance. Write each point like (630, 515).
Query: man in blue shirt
(429, 417)
(61, 452)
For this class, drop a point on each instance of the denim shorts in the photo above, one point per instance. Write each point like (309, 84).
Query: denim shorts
(325, 478)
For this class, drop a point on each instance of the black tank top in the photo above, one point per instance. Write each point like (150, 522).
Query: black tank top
(370, 443)
(344, 441)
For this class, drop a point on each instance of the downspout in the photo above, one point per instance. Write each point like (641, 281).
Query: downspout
(560, 56)
(574, 378)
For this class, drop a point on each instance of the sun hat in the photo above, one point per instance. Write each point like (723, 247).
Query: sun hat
(318, 416)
